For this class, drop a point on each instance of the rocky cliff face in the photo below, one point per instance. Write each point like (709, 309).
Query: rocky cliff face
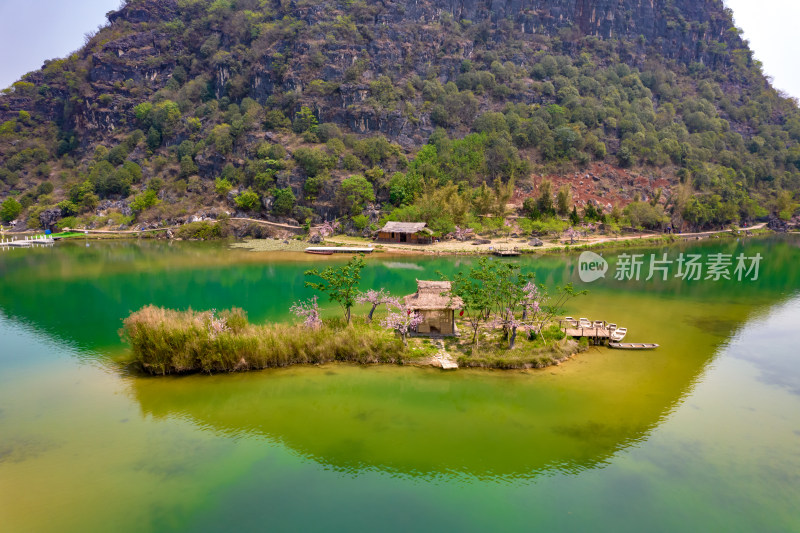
(192, 91)
(392, 37)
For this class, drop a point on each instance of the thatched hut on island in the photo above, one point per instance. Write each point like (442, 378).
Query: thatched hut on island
(437, 307)
(406, 232)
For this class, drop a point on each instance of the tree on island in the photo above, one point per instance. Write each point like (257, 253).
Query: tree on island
(308, 310)
(401, 319)
(513, 297)
(340, 283)
(475, 290)
(375, 298)
(502, 296)
(548, 306)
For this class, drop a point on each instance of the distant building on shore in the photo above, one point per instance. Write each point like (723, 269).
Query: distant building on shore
(406, 232)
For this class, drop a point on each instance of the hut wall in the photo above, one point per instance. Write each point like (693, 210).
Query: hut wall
(439, 321)
(410, 238)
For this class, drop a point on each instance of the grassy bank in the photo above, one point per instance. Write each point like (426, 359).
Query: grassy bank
(164, 341)
(548, 349)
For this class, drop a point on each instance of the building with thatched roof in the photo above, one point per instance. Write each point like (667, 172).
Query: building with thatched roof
(436, 305)
(406, 232)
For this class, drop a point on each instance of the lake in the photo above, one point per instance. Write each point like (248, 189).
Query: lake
(702, 434)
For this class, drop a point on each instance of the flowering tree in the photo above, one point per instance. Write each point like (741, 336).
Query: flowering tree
(216, 324)
(375, 298)
(329, 228)
(547, 306)
(571, 234)
(500, 296)
(401, 319)
(308, 310)
(530, 303)
(513, 294)
(462, 234)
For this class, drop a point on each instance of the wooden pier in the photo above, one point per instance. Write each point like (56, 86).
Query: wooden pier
(338, 250)
(596, 334)
(506, 253)
(39, 240)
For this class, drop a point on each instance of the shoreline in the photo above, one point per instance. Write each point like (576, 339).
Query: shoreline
(297, 247)
(450, 247)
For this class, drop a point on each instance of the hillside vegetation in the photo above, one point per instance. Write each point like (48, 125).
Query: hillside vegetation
(440, 111)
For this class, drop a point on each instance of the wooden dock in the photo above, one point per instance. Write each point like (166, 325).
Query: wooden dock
(39, 240)
(595, 334)
(590, 333)
(506, 253)
(338, 250)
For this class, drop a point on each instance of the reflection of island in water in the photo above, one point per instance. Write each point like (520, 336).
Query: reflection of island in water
(417, 422)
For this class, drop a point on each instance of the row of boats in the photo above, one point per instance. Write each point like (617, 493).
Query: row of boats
(600, 329)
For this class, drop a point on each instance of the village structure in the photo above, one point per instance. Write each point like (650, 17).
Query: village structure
(437, 307)
(406, 232)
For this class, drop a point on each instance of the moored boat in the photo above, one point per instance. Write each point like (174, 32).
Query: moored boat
(633, 345)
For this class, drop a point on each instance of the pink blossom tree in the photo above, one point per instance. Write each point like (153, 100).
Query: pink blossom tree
(216, 324)
(375, 298)
(308, 310)
(571, 234)
(530, 302)
(328, 229)
(401, 319)
(462, 234)
(549, 304)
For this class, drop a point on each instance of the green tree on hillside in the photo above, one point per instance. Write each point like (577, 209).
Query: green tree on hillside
(248, 201)
(353, 194)
(10, 210)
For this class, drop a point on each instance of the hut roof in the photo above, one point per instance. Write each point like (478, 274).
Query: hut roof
(433, 295)
(404, 227)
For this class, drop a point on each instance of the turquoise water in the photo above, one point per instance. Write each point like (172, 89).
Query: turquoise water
(702, 434)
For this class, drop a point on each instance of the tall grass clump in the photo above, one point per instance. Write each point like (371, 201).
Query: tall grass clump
(165, 341)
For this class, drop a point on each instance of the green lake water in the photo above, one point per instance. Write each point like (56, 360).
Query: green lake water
(702, 434)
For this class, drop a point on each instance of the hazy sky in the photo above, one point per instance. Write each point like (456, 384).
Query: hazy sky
(34, 30)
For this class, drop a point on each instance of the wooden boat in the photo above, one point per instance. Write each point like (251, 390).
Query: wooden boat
(633, 345)
(327, 250)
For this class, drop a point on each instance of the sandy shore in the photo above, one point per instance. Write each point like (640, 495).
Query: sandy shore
(522, 244)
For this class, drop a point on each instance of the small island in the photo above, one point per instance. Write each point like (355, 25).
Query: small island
(492, 316)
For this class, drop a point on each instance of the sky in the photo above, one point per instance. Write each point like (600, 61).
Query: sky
(32, 31)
